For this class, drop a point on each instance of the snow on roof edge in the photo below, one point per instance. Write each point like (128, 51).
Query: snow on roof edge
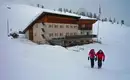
(60, 13)
(85, 17)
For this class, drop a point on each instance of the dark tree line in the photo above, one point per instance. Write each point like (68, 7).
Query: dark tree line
(122, 22)
(40, 6)
(65, 10)
(113, 21)
(88, 14)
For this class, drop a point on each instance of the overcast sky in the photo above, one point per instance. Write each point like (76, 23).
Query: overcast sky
(120, 9)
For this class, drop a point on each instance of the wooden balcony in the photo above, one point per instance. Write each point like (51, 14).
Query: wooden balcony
(80, 36)
(72, 40)
(85, 28)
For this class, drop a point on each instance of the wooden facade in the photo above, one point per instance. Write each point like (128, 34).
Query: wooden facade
(50, 18)
(86, 24)
(85, 21)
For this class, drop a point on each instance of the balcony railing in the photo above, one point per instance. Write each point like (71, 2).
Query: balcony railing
(85, 28)
(71, 40)
(80, 36)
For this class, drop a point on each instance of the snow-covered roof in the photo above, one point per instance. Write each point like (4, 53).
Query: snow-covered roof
(85, 17)
(60, 13)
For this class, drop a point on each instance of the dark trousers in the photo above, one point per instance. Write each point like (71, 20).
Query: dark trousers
(99, 63)
(92, 62)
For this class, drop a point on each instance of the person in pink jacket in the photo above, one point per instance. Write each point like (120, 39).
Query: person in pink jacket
(100, 56)
(91, 56)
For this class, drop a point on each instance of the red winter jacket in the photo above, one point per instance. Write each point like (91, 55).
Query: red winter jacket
(92, 53)
(100, 55)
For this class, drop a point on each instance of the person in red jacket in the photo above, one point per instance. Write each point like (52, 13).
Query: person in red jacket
(91, 57)
(100, 56)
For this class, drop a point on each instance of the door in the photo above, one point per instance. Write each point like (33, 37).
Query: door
(31, 34)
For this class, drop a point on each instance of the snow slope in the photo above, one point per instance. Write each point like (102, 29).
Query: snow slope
(19, 16)
(21, 59)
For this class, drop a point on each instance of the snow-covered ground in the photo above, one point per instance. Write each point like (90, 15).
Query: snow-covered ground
(21, 59)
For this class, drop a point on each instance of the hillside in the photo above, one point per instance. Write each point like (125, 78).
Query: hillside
(21, 59)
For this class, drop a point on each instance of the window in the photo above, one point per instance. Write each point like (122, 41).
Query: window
(71, 26)
(56, 34)
(67, 26)
(50, 26)
(61, 26)
(61, 34)
(43, 30)
(51, 34)
(56, 26)
(75, 26)
(43, 36)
